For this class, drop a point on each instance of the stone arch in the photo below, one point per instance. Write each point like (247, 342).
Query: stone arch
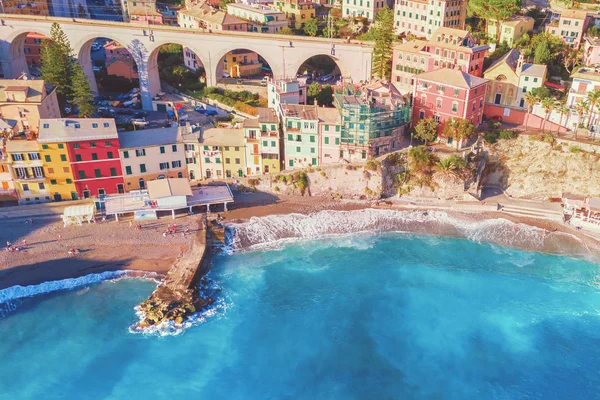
(15, 63)
(217, 68)
(302, 60)
(151, 64)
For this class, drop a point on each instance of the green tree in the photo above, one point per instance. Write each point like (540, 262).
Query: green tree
(57, 63)
(383, 28)
(82, 94)
(593, 98)
(313, 89)
(582, 108)
(223, 4)
(286, 31)
(531, 99)
(426, 129)
(541, 92)
(310, 27)
(541, 53)
(497, 10)
(548, 106)
(325, 96)
(458, 129)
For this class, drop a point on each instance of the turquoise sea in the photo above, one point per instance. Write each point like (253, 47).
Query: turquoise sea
(386, 316)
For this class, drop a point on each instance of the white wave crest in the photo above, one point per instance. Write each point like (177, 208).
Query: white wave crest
(18, 291)
(272, 230)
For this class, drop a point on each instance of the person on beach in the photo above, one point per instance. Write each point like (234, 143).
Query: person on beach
(24, 242)
(73, 252)
(59, 236)
(130, 224)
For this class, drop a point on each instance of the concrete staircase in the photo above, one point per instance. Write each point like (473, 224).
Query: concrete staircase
(533, 212)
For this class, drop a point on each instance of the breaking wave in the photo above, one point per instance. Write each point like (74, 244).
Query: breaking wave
(274, 230)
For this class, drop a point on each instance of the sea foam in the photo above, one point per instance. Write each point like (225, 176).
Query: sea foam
(273, 230)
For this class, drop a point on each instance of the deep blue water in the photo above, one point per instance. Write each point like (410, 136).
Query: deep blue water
(374, 317)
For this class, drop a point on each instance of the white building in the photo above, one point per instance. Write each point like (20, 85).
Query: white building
(423, 17)
(286, 91)
(362, 8)
(261, 18)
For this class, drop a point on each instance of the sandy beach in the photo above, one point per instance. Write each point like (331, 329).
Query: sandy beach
(110, 245)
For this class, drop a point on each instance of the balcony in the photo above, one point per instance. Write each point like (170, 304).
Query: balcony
(31, 178)
(8, 192)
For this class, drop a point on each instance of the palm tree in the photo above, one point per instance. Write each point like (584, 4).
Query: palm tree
(548, 106)
(531, 99)
(593, 98)
(563, 110)
(582, 107)
(446, 166)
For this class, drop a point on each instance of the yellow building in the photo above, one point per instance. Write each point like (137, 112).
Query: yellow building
(57, 168)
(27, 170)
(297, 11)
(269, 141)
(233, 159)
(241, 64)
(511, 29)
(222, 153)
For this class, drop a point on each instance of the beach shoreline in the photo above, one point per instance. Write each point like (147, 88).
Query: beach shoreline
(112, 246)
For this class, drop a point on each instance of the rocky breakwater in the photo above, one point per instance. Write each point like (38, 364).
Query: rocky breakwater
(179, 295)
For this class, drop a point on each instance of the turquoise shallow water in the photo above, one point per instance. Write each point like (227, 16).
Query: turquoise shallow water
(375, 317)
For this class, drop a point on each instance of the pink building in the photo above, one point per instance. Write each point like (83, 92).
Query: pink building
(329, 135)
(114, 49)
(591, 52)
(446, 93)
(422, 17)
(570, 27)
(144, 12)
(447, 48)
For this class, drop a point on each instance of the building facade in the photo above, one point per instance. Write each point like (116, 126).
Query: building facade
(584, 81)
(286, 91)
(222, 153)
(33, 47)
(511, 78)
(241, 63)
(591, 52)
(297, 11)
(362, 8)
(260, 18)
(26, 102)
(449, 93)
(571, 27)
(510, 29)
(57, 166)
(330, 134)
(27, 170)
(447, 48)
(270, 141)
(157, 154)
(374, 119)
(422, 18)
(300, 135)
(201, 17)
(8, 194)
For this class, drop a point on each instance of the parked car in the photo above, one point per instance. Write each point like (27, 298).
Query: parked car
(139, 121)
(211, 112)
(200, 109)
(96, 46)
(97, 68)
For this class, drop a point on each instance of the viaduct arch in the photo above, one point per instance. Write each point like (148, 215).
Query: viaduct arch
(285, 54)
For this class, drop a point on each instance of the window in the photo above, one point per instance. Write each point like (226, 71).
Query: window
(50, 170)
(41, 186)
(109, 155)
(106, 124)
(92, 144)
(94, 156)
(207, 160)
(237, 161)
(265, 143)
(438, 103)
(76, 146)
(326, 140)
(94, 125)
(337, 140)
(312, 139)
(46, 158)
(128, 170)
(125, 154)
(290, 136)
(25, 188)
(298, 149)
(53, 181)
(69, 181)
(162, 149)
(314, 161)
(526, 78)
(113, 172)
(63, 157)
(454, 106)
(164, 165)
(45, 146)
(108, 143)
(176, 164)
(456, 92)
(312, 150)
(140, 152)
(535, 80)
(98, 173)
(77, 157)
(174, 148)
(142, 168)
(227, 161)
(82, 175)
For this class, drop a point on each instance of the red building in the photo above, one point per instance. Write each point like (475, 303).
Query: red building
(93, 151)
(33, 47)
(447, 48)
(446, 93)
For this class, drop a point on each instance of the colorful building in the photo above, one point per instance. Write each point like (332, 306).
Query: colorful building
(584, 80)
(26, 102)
(8, 194)
(511, 78)
(57, 165)
(260, 18)
(251, 128)
(286, 91)
(510, 29)
(191, 60)
(205, 17)
(241, 63)
(422, 18)
(330, 134)
(124, 67)
(300, 134)
(93, 152)
(191, 144)
(144, 12)
(591, 52)
(27, 170)
(33, 47)
(447, 48)
(374, 119)
(571, 27)
(448, 93)
(222, 153)
(297, 11)
(362, 8)
(270, 141)
(152, 154)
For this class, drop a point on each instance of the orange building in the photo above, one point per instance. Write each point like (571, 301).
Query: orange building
(33, 47)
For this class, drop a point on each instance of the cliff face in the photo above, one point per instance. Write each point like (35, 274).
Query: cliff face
(527, 167)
